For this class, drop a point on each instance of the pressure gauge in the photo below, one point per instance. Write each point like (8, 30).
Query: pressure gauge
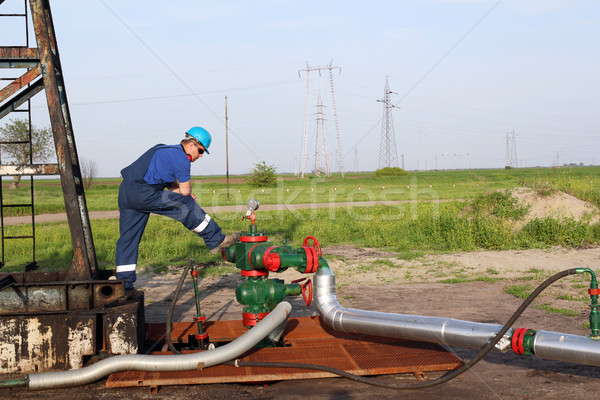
(252, 204)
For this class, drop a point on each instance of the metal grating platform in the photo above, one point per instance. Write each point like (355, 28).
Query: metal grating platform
(310, 342)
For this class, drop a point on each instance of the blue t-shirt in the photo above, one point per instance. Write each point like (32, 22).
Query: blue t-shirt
(169, 164)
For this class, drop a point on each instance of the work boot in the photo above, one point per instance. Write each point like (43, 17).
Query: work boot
(134, 294)
(229, 240)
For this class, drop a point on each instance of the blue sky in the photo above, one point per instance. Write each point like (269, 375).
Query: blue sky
(465, 72)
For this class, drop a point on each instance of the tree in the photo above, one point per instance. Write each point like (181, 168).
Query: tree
(89, 170)
(263, 175)
(17, 130)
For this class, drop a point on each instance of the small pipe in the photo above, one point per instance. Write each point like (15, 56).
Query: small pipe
(184, 362)
(202, 336)
(13, 383)
(594, 306)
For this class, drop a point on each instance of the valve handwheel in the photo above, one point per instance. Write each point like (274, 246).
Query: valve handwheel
(307, 284)
(315, 244)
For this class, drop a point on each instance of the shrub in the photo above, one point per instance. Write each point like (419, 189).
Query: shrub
(391, 171)
(263, 175)
(499, 204)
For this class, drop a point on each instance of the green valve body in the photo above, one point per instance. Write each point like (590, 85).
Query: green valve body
(261, 295)
(256, 257)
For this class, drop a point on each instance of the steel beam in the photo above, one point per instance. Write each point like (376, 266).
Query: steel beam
(84, 264)
(19, 83)
(30, 169)
(21, 98)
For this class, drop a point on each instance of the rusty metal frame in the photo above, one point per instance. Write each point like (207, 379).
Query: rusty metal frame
(44, 61)
(84, 265)
(66, 316)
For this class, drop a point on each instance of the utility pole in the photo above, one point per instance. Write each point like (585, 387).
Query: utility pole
(227, 146)
(511, 150)
(308, 70)
(387, 148)
(507, 159)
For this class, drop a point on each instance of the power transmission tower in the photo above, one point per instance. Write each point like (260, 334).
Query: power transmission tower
(321, 156)
(308, 70)
(387, 148)
(511, 150)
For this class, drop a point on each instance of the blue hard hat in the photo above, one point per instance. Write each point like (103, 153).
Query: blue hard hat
(201, 135)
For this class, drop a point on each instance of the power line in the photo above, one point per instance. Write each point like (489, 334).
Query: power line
(176, 75)
(437, 62)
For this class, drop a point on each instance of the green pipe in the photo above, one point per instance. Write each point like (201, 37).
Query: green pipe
(13, 383)
(323, 263)
(594, 312)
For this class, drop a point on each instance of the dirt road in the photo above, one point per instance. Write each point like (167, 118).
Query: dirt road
(240, 208)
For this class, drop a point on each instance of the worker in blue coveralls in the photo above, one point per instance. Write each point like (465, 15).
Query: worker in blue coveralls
(143, 192)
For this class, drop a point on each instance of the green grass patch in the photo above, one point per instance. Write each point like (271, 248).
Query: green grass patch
(409, 255)
(573, 298)
(520, 291)
(466, 279)
(499, 204)
(384, 262)
(562, 311)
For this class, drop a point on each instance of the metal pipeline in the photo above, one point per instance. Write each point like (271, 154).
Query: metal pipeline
(558, 346)
(546, 344)
(183, 362)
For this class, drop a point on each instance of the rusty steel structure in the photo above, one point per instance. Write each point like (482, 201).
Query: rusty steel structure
(44, 72)
(56, 320)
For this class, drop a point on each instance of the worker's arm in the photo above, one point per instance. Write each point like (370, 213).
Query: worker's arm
(184, 188)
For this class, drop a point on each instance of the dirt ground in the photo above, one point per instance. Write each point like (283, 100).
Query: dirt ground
(468, 286)
(374, 280)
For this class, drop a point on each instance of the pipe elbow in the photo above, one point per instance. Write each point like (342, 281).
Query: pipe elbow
(326, 301)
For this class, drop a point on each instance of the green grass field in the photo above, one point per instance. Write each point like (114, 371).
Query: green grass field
(582, 182)
(472, 217)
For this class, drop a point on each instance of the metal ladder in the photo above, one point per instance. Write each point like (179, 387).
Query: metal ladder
(44, 72)
(27, 109)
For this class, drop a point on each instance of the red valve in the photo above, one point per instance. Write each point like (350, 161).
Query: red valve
(271, 261)
(307, 300)
(251, 217)
(315, 244)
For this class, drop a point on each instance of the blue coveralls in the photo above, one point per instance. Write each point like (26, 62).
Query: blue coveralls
(138, 198)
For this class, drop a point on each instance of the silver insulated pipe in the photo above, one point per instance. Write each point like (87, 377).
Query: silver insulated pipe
(449, 331)
(179, 362)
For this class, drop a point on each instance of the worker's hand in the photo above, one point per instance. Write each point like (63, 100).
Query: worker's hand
(193, 196)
